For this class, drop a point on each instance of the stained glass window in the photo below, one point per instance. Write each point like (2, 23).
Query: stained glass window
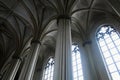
(109, 42)
(76, 63)
(49, 69)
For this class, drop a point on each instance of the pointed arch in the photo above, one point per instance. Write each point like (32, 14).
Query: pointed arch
(76, 63)
(48, 69)
(109, 44)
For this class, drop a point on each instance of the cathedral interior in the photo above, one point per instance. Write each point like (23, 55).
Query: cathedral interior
(59, 40)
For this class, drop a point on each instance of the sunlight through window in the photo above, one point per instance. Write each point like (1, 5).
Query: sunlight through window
(49, 69)
(76, 63)
(109, 42)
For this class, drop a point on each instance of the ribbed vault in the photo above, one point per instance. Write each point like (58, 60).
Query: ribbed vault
(24, 20)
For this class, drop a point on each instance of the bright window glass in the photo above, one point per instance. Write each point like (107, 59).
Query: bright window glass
(109, 42)
(49, 69)
(76, 63)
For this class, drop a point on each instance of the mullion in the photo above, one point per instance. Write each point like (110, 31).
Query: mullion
(48, 70)
(52, 70)
(115, 43)
(76, 64)
(118, 36)
(104, 57)
(51, 73)
(48, 73)
(74, 61)
(111, 55)
(43, 75)
(117, 53)
(80, 66)
(109, 50)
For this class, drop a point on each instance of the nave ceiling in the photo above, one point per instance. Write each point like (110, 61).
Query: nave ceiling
(24, 20)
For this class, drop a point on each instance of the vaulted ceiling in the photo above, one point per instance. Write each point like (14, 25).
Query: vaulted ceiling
(24, 20)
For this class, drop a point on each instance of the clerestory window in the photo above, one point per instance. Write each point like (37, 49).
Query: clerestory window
(48, 70)
(109, 42)
(76, 63)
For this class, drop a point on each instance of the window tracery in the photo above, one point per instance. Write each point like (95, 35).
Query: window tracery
(48, 70)
(109, 43)
(76, 63)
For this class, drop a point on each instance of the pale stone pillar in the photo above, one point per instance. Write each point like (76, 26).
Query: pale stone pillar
(63, 64)
(90, 68)
(12, 71)
(34, 57)
(84, 61)
(25, 66)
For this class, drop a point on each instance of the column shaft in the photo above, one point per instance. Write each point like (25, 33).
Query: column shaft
(63, 64)
(33, 61)
(25, 67)
(90, 62)
(12, 71)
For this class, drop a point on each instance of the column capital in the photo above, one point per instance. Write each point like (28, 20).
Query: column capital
(86, 42)
(17, 57)
(63, 16)
(36, 41)
(63, 64)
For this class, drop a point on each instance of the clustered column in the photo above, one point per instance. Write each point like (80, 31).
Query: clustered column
(63, 64)
(90, 71)
(16, 61)
(13, 68)
(34, 57)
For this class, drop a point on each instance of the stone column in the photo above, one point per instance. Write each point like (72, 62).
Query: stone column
(90, 68)
(63, 64)
(27, 58)
(34, 57)
(12, 71)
